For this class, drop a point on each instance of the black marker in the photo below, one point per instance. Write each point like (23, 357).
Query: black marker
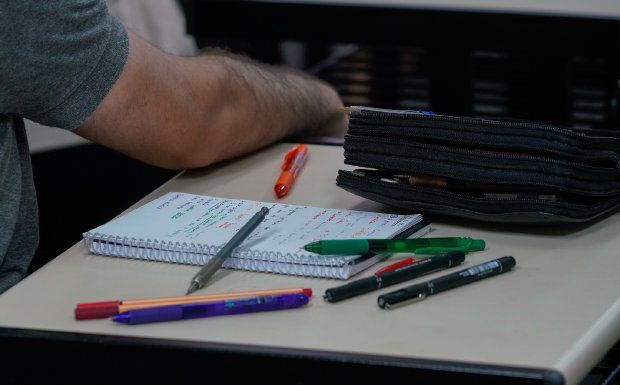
(420, 291)
(417, 269)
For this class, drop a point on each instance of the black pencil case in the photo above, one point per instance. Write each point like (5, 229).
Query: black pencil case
(491, 170)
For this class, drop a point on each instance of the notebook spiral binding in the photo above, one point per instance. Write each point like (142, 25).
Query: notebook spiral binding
(196, 254)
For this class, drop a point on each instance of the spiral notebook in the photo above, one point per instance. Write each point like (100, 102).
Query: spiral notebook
(190, 229)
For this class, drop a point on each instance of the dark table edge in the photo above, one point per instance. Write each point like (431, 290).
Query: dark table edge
(489, 373)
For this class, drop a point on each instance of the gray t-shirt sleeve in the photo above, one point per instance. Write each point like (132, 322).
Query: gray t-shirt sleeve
(59, 59)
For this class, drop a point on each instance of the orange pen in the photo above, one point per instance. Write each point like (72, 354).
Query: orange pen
(293, 162)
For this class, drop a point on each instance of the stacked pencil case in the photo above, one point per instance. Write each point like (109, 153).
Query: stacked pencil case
(492, 170)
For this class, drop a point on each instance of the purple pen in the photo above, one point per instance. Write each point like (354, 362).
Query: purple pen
(212, 309)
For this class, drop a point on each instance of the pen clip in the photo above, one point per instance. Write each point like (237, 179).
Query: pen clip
(417, 298)
(288, 158)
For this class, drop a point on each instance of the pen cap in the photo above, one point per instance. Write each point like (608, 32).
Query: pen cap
(408, 294)
(351, 289)
(477, 244)
(92, 310)
(99, 310)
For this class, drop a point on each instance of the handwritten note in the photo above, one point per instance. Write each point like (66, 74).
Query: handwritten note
(186, 219)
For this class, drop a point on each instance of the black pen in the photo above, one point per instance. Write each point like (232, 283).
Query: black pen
(422, 290)
(417, 269)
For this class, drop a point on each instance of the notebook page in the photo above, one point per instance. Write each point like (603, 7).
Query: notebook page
(189, 219)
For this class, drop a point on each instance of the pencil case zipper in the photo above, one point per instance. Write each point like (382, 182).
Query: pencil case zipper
(564, 142)
(610, 172)
(479, 166)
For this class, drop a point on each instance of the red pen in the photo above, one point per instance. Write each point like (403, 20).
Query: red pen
(394, 266)
(293, 161)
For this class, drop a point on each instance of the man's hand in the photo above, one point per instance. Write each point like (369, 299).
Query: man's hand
(183, 112)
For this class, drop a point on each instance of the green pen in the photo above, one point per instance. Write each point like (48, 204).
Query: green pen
(428, 246)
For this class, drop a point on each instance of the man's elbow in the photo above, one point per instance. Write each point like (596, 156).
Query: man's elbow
(194, 152)
(181, 157)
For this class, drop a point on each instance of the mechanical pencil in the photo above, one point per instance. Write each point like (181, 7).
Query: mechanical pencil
(420, 291)
(293, 162)
(216, 261)
(374, 282)
(212, 309)
(382, 246)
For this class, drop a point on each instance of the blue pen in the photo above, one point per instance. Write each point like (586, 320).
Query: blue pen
(212, 309)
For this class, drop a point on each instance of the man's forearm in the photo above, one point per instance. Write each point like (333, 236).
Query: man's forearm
(182, 112)
(258, 104)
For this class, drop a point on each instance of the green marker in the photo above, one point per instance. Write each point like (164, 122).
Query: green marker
(429, 246)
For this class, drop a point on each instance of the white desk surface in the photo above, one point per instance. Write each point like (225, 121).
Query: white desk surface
(606, 9)
(559, 309)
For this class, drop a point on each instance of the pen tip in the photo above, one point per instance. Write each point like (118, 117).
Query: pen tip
(192, 288)
(122, 318)
(314, 247)
(280, 190)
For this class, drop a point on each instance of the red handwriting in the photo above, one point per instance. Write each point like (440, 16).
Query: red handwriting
(359, 232)
(319, 214)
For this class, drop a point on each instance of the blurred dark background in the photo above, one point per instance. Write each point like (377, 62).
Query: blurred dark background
(561, 69)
